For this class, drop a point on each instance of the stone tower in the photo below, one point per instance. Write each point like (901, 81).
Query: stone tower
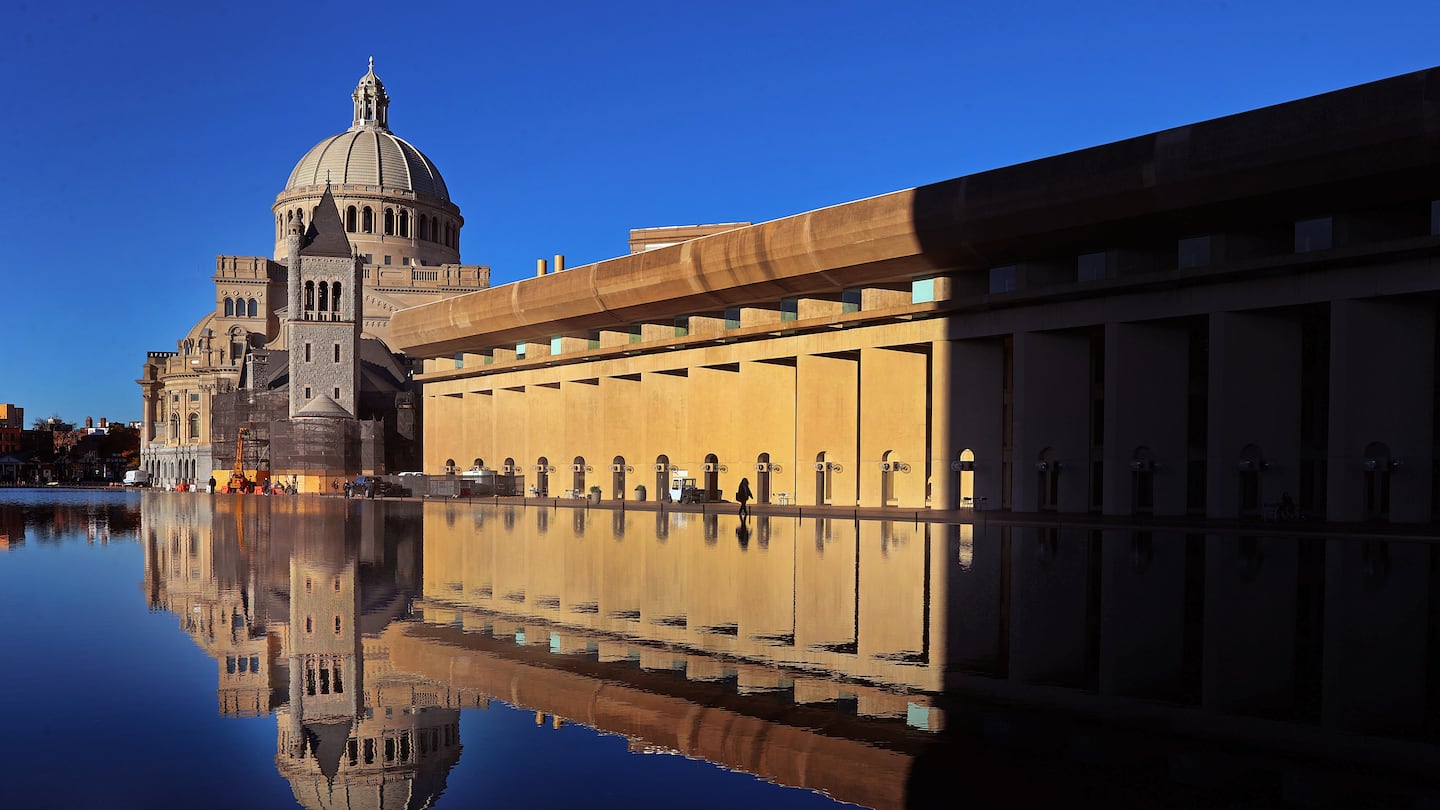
(323, 320)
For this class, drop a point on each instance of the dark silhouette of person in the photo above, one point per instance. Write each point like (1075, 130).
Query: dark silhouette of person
(743, 495)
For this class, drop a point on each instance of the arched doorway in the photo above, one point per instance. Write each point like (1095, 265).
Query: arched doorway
(1142, 482)
(712, 477)
(1378, 466)
(478, 464)
(449, 466)
(1048, 486)
(662, 478)
(542, 477)
(762, 478)
(617, 478)
(1252, 463)
(577, 469)
(825, 470)
(965, 469)
(887, 479)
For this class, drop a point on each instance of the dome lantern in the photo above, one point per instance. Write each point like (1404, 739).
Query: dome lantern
(372, 105)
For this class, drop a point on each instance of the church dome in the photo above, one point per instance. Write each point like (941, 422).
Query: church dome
(372, 157)
(369, 153)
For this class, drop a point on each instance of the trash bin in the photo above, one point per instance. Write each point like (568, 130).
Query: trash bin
(640, 492)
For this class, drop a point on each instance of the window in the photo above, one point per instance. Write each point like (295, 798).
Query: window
(337, 625)
(309, 624)
(367, 220)
(789, 309)
(520, 351)
(389, 223)
(1002, 279)
(1194, 252)
(404, 223)
(194, 397)
(337, 394)
(194, 426)
(732, 318)
(229, 307)
(307, 392)
(350, 219)
(922, 290)
(460, 359)
(555, 345)
(337, 352)
(850, 300)
(253, 308)
(1314, 234)
(387, 260)
(307, 352)
(1091, 267)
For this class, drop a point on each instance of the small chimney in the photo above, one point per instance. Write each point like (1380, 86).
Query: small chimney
(103, 421)
(89, 423)
(539, 267)
(559, 263)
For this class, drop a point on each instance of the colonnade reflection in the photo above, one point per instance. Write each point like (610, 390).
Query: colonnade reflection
(850, 657)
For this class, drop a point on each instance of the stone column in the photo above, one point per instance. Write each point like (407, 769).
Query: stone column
(1254, 399)
(1052, 410)
(1146, 405)
(1382, 391)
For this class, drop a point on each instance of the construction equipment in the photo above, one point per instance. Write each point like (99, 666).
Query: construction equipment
(238, 481)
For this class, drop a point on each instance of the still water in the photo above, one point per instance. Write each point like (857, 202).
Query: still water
(183, 650)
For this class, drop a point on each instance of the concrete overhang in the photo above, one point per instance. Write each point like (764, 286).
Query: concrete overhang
(1376, 141)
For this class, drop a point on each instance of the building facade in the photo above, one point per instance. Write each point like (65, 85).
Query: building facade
(374, 225)
(1231, 319)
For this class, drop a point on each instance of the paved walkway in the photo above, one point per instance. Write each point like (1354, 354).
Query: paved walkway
(1295, 528)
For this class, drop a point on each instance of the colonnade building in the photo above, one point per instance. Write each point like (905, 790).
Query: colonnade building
(1227, 319)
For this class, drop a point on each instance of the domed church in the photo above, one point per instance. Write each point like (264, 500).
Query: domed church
(290, 368)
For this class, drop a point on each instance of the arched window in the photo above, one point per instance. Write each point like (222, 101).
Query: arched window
(309, 295)
(424, 227)
(335, 297)
(229, 307)
(367, 220)
(389, 221)
(324, 297)
(253, 308)
(300, 216)
(350, 219)
(404, 223)
(194, 426)
(174, 426)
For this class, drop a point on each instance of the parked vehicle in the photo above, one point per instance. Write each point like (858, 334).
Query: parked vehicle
(136, 478)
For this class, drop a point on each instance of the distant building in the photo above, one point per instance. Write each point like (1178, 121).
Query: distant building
(643, 239)
(12, 422)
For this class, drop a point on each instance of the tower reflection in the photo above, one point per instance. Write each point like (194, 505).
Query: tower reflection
(290, 597)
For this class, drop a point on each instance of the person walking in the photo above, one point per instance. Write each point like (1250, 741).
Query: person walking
(743, 495)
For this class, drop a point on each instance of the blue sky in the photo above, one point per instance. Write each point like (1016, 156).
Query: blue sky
(140, 140)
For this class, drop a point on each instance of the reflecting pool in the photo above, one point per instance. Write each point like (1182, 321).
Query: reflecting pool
(187, 650)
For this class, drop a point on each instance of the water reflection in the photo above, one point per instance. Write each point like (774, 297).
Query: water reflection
(290, 598)
(875, 662)
(45, 517)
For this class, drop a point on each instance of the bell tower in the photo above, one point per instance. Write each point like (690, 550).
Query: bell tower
(324, 318)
